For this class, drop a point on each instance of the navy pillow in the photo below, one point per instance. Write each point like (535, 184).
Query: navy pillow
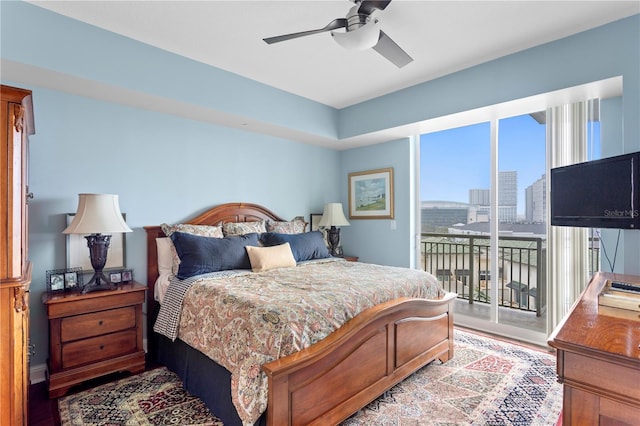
(199, 255)
(305, 246)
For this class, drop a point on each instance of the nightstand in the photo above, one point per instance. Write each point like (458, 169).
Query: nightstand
(351, 258)
(94, 334)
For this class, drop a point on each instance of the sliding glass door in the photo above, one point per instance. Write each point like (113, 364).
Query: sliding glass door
(522, 222)
(455, 187)
(483, 221)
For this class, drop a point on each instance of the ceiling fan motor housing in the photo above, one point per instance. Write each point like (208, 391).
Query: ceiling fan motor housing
(356, 20)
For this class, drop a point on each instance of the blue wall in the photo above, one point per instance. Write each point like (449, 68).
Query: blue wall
(167, 167)
(164, 168)
(72, 48)
(374, 240)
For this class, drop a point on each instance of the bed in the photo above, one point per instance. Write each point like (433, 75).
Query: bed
(330, 379)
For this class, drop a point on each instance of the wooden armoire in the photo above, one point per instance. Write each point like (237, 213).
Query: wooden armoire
(15, 267)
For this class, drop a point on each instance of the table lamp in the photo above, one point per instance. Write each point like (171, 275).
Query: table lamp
(97, 215)
(333, 216)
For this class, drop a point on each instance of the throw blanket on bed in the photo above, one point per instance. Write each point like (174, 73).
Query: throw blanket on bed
(249, 319)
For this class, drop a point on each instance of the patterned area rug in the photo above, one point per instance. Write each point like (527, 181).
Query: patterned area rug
(488, 382)
(154, 397)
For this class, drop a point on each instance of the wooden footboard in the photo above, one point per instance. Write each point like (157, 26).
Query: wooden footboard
(331, 380)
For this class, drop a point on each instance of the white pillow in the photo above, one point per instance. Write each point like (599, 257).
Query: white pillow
(164, 246)
(266, 258)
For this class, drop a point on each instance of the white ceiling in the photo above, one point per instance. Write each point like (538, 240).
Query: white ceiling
(441, 36)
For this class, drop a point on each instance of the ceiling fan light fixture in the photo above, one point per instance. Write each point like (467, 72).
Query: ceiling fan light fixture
(361, 38)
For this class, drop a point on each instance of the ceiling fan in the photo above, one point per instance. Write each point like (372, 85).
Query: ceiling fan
(362, 31)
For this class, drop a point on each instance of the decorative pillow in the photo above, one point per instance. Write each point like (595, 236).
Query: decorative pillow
(202, 230)
(199, 255)
(266, 258)
(294, 226)
(242, 228)
(306, 246)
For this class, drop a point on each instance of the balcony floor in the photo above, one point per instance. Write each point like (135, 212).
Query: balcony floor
(507, 316)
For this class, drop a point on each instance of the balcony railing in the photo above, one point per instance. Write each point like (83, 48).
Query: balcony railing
(462, 264)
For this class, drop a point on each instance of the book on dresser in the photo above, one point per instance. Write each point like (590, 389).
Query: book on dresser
(621, 295)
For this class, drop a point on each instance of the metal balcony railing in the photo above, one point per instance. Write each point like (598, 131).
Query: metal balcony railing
(462, 264)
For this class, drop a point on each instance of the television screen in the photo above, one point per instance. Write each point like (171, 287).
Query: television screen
(597, 194)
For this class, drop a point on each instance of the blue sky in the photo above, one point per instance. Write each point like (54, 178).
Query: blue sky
(456, 160)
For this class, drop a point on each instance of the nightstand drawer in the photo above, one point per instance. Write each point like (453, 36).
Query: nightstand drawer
(98, 348)
(98, 323)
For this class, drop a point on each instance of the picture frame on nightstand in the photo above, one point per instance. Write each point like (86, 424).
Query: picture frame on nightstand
(115, 277)
(64, 280)
(72, 279)
(121, 276)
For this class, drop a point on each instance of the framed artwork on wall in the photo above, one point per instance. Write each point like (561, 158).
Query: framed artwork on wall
(314, 219)
(371, 194)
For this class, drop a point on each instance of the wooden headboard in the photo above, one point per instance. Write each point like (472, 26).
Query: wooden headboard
(229, 212)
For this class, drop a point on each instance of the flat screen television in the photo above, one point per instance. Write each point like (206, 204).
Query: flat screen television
(597, 194)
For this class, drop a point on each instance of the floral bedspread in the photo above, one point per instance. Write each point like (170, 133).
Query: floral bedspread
(247, 320)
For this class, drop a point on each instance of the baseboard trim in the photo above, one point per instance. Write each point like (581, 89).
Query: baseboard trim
(38, 373)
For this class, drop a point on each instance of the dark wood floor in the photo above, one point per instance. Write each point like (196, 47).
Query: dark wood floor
(42, 410)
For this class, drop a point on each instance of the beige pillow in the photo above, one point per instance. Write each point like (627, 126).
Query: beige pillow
(266, 258)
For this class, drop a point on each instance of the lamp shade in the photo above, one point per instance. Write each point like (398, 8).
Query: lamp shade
(333, 215)
(97, 214)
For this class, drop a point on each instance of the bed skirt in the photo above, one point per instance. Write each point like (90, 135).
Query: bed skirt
(202, 377)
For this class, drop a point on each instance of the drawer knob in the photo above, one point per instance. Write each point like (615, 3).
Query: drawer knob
(100, 322)
(101, 347)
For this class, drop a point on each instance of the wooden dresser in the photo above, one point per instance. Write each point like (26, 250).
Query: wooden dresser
(94, 334)
(15, 268)
(598, 351)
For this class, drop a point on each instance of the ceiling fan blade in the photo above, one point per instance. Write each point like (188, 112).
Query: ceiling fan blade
(367, 7)
(333, 25)
(390, 50)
